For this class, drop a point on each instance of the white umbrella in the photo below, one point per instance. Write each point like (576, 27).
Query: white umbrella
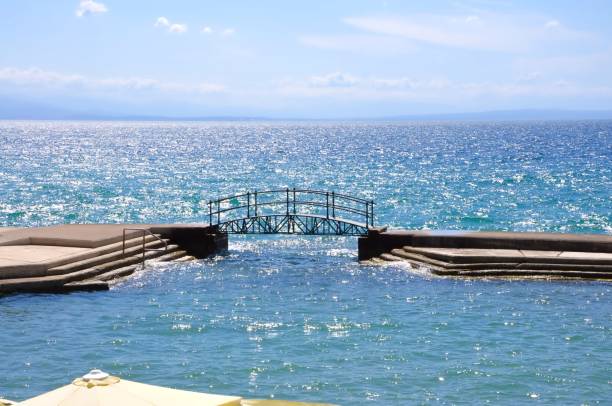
(269, 402)
(100, 389)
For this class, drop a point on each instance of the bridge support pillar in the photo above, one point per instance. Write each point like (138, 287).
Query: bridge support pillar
(198, 241)
(375, 243)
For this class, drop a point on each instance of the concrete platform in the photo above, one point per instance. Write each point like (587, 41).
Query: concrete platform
(68, 257)
(479, 254)
(68, 235)
(15, 255)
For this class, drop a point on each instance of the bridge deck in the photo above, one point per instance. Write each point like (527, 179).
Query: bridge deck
(304, 224)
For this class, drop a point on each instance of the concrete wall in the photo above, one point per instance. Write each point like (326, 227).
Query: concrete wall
(199, 242)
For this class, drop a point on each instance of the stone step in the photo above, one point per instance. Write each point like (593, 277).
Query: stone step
(373, 261)
(171, 256)
(547, 273)
(186, 258)
(472, 256)
(422, 263)
(492, 265)
(83, 286)
(118, 254)
(55, 283)
(117, 273)
(389, 257)
(399, 252)
(123, 262)
(566, 267)
(41, 269)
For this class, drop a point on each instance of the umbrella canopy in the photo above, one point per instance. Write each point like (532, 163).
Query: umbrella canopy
(269, 402)
(100, 389)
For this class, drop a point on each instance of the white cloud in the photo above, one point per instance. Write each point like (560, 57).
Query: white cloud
(163, 22)
(405, 83)
(346, 83)
(177, 28)
(348, 87)
(336, 79)
(228, 32)
(206, 30)
(90, 6)
(337, 87)
(530, 77)
(486, 31)
(36, 77)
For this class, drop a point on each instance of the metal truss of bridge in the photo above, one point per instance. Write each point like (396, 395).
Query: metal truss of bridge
(292, 211)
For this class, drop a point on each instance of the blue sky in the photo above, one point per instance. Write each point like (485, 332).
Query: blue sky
(304, 59)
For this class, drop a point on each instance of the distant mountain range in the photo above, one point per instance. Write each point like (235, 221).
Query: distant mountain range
(20, 110)
(500, 115)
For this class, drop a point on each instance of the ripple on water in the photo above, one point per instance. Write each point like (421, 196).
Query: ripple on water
(299, 318)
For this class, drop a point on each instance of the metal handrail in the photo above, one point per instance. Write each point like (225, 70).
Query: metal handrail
(319, 192)
(332, 203)
(297, 203)
(145, 232)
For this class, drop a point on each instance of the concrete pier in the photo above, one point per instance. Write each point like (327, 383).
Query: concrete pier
(87, 256)
(505, 254)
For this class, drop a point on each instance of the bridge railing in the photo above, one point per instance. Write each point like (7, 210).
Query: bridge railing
(292, 201)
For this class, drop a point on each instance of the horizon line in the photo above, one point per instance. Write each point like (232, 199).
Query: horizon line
(489, 115)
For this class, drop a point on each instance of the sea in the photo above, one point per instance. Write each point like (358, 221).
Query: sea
(298, 317)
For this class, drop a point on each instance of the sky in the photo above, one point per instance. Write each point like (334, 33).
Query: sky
(308, 59)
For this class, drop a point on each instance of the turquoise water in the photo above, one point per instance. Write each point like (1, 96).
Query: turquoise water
(298, 317)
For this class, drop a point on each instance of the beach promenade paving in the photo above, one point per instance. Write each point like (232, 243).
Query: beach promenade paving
(68, 235)
(11, 255)
(88, 256)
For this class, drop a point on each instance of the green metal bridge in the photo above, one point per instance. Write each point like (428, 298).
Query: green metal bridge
(292, 211)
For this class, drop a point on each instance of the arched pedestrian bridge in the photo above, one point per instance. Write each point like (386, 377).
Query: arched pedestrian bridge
(292, 211)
